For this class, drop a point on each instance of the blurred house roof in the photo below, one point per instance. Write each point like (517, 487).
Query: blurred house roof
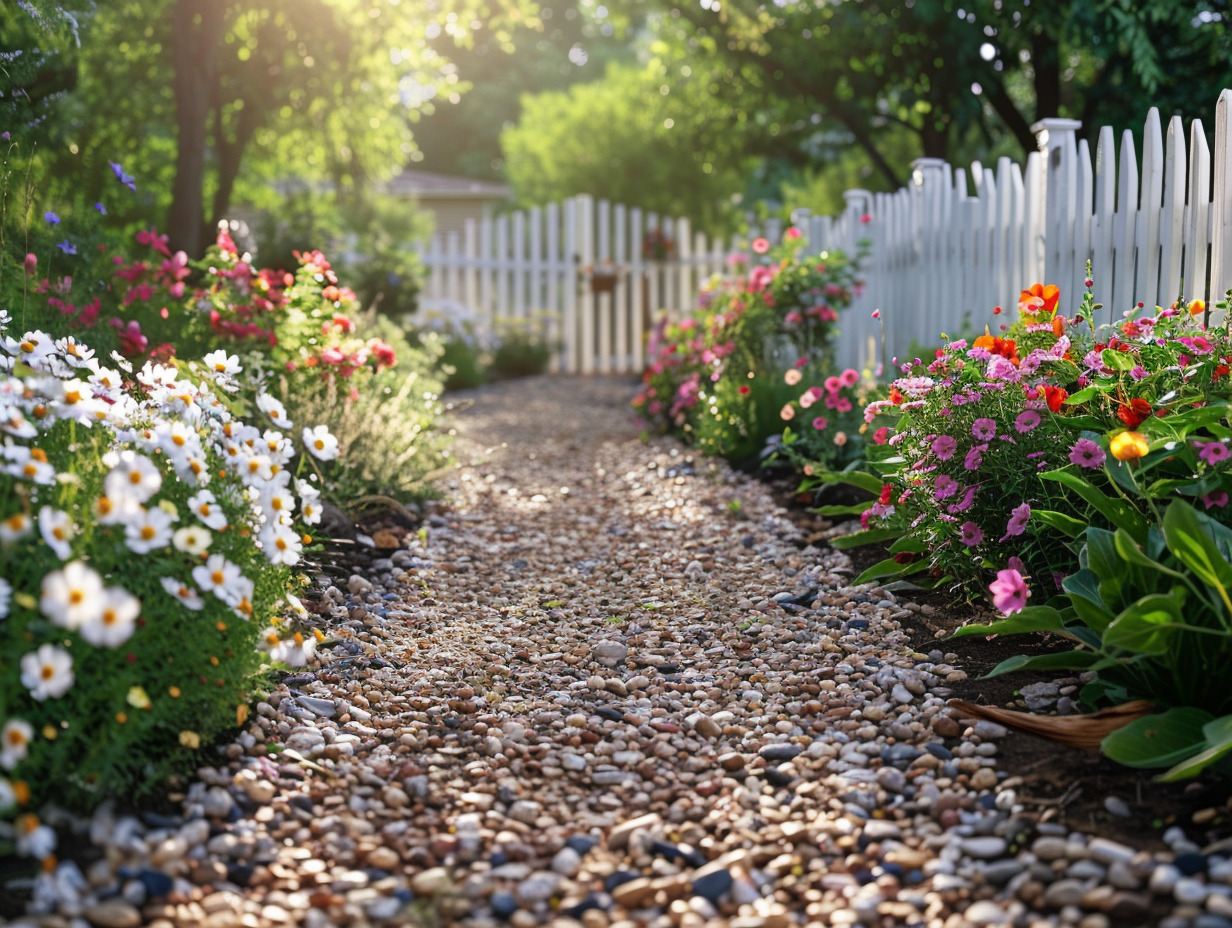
(421, 184)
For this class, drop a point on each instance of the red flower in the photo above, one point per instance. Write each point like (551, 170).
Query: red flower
(1055, 396)
(895, 396)
(1134, 413)
(744, 389)
(886, 491)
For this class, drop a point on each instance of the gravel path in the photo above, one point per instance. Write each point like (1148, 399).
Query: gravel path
(611, 687)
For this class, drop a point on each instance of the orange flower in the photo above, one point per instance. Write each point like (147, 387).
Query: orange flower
(1128, 446)
(1134, 413)
(1197, 307)
(1005, 347)
(1055, 396)
(1050, 294)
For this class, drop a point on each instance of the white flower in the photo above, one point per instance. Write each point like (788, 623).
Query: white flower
(78, 403)
(255, 467)
(122, 361)
(15, 740)
(320, 443)
(6, 597)
(31, 348)
(148, 531)
(206, 508)
(8, 796)
(274, 409)
(115, 623)
(74, 352)
(277, 501)
(116, 511)
(193, 540)
(15, 528)
(243, 603)
(277, 446)
(281, 545)
(187, 595)
(72, 595)
(29, 464)
(57, 530)
(47, 672)
(38, 842)
(220, 577)
(219, 362)
(134, 477)
(14, 422)
(294, 651)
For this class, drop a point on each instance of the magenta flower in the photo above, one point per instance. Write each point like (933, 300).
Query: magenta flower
(965, 503)
(820, 423)
(1088, 454)
(1216, 499)
(1213, 452)
(984, 429)
(1027, 420)
(944, 447)
(972, 534)
(1018, 522)
(944, 487)
(975, 457)
(1009, 591)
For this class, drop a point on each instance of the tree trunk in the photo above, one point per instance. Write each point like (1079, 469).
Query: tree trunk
(1046, 63)
(230, 154)
(197, 31)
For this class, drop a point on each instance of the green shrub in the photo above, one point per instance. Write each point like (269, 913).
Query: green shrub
(521, 349)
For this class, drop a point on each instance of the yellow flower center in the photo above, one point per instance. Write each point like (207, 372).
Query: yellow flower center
(16, 738)
(147, 532)
(319, 444)
(47, 672)
(58, 533)
(75, 597)
(134, 478)
(109, 617)
(217, 577)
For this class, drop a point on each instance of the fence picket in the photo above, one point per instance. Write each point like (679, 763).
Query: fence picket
(1221, 202)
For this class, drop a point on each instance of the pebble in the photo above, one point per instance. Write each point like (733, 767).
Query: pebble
(113, 914)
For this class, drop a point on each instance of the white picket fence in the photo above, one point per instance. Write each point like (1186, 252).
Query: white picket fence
(942, 252)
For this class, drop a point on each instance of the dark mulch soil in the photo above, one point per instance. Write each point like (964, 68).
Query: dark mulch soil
(1056, 782)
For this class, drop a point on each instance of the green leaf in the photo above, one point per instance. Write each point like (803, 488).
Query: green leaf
(1030, 619)
(854, 478)
(1116, 511)
(1062, 660)
(1158, 740)
(1191, 543)
(887, 568)
(854, 509)
(1084, 596)
(1117, 360)
(1217, 735)
(1146, 626)
(909, 545)
(1129, 550)
(870, 537)
(1066, 524)
(1088, 393)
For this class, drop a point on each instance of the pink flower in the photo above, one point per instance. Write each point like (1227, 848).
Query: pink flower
(1088, 454)
(944, 487)
(1213, 452)
(876, 314)
(1216, 499)
(944, 447)
(975, 457)
(866, 218)
(1027, 420)
(1009, 591)
(793, 318)
(972, 534)
(31, 265)
(791, 233)
(984, 428)
(807, 399)
(761, 245)
(792, 376)
(820, 423)
(881, 436)
(1018, 522)
(787, 413)
(833, 384)
(964, 504)
(849, 377)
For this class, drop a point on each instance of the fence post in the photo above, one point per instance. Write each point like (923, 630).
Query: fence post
(1058, 145)
(1221, 226)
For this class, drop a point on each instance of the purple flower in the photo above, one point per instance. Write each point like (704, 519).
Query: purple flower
(1216, 499)
(1009, 591)
(965, 503)
(67, 247)
(983, 429)
(1027, 420)
(820, 423)
(51, 218)
(102, 209)
(126, 179)
(1088, 454)
(944, 487)
(975, 457)
(972, 534)
(944, 447)
(1018, 522)
(1212, 452)
(1138, 372)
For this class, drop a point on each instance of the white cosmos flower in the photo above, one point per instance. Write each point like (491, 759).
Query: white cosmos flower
(294, 651)
(281, 545)
(56, 527)
(6, 597)
(177, 439)
(72, 595)
(193, 540)
(29, 464)
(148, 531)
(206, 508)
(78, 403)
(115, 623)
(243, 604)
(220, 577)
(15, 738)
(31, 348)
(47, 672)
(256, 467)
(14, 422)
(278, 446)
(310, 511)
(134, 477)
(219, 362)
(277, 501)
(74, 352)
(15, 528)
(274, 409)
(8, 796)
(116, 511)
(122, 361)
(320, 443)
(38, 842)
(186, 594)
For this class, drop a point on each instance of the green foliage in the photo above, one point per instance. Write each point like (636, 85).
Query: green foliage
(522, 349)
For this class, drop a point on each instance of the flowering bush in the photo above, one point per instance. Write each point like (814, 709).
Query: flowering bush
(717, 376)
(825, 428)
(146, 547)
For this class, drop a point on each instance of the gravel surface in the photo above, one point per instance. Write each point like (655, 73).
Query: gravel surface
(611, 686)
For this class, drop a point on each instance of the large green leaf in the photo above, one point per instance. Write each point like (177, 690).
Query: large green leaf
(1106, 563)
(1030, 619)
(1066, 524)
(1193, 545)
(1146, 626)
(854, 509)
(1217, 735)
(1117, 360)
(1116, 511)
(890, 568)
(1088, 604)
(1129, 550)
(1158, 740)
(1062, 660)
(854, 478)
(1089, 393)
(870, 537)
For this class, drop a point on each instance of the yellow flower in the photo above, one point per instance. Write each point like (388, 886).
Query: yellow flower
(1196, 307)
(1128, 446)
(174, 692)
(190, 739)
(138, 698)
(241, 714)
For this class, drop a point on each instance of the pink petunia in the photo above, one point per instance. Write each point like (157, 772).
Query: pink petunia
(944, 447)
(972, 534)
(984, 429)
(1088, 454)
(1216, 499)
(820, 423)
(1027, 420)
(975, 457)
(944, 487)
(1018, 522)
(1009, 591)
(1213, 452)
